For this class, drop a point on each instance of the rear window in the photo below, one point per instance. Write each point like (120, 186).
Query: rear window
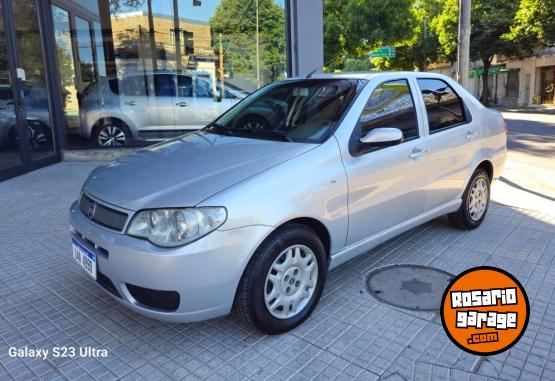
(443, 106)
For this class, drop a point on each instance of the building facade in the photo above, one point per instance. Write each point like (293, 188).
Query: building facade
(527, 81)
(105, 74)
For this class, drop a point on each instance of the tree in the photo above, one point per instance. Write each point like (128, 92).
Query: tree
(491, 20)
(534, 24)
(236, 20)
(422, 47)
(355, 27)
(335, 52)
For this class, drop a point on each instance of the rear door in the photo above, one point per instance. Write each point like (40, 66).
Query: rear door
(387, 184)
(452, 140)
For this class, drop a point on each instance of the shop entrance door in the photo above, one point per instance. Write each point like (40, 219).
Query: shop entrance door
(547, 84)
(27, 138)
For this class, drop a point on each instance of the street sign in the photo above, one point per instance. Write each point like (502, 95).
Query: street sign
(384, 52)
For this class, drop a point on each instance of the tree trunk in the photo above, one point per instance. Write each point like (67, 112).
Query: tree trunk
(485, 90)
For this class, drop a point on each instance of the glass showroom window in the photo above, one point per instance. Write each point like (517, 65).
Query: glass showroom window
(137, 71)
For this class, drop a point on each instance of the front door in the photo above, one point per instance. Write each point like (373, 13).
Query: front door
(199, 102)
(27, 138)
(386, 184)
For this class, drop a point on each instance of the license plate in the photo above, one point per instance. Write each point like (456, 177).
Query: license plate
(85, 258)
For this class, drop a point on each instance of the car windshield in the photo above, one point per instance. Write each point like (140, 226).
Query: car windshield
(296, 111)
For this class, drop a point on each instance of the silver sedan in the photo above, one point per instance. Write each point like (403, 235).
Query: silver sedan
(253, 210)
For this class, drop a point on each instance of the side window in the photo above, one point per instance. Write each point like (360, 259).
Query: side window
(184, 86)
(390, 105)
(134, 86)
(203, 88)
(164, 85)
(443, 105)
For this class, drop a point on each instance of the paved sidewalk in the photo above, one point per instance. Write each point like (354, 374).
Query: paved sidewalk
(47, 301)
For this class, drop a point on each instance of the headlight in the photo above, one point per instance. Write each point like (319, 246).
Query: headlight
(176, 227)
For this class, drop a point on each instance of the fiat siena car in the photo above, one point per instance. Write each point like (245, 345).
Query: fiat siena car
(254, 215)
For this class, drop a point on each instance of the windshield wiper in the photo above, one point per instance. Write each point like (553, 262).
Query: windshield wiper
(221, 127)
(280, 135)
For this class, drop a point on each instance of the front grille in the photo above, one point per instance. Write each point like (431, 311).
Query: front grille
(101, 214)
(160, 300)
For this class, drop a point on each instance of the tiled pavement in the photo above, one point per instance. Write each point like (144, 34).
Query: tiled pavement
(46, 301)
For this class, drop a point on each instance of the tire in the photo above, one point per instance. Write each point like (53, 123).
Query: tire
(467, 218)
(39, 135)
(303, 272)
(111, 134)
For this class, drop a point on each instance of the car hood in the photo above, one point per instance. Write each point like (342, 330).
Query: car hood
(184, 171)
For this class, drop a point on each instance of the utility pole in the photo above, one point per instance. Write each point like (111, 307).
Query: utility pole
(222, 90)
(463, 44)
(151, 35)
(257, 49)
(177, 35)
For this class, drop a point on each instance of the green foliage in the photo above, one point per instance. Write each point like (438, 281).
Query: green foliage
(445, 26)
(353, 28)
(533, 25)
(236, 20)
(491, 19)
(357, 64)
(422, 47)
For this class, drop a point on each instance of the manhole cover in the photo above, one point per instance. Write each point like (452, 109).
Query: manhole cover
(414, 287)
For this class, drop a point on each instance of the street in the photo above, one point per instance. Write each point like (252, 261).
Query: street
(528, 180)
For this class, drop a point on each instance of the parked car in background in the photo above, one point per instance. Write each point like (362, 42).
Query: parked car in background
(39, 131)
(255, 214)
(150, 106)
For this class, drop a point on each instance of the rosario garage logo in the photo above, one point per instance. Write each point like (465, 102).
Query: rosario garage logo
(485, 310)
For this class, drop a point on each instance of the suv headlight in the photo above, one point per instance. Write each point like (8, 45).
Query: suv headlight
(176, 227)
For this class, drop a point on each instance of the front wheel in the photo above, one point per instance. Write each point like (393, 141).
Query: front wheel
(475, 201)
(284, 280)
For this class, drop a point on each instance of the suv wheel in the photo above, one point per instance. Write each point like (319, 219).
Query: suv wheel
(112, 135)
(284, 280)
(475, 202)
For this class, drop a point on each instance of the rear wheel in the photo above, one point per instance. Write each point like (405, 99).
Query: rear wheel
(284, 280)
(112, 134)
(475, 202)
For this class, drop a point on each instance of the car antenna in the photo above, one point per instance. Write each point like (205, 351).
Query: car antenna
(309, 75)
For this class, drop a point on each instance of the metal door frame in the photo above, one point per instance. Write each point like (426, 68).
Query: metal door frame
(52, 83)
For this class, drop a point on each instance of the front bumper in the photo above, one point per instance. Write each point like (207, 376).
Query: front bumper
(205, 273)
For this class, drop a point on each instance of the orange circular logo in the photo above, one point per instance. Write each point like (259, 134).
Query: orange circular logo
(485, 310)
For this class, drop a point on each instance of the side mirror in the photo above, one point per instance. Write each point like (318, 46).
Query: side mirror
(382, 137)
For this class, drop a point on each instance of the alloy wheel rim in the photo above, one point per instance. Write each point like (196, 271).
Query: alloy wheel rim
(37, 138)
(478, 199)
(291, 281)
(111, 136)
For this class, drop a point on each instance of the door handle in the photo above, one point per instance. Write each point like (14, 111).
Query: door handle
(130, 103)
(471, 135)
(417, 153)
(181, 104)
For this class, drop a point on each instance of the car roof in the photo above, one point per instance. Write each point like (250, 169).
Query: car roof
(367, 75)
